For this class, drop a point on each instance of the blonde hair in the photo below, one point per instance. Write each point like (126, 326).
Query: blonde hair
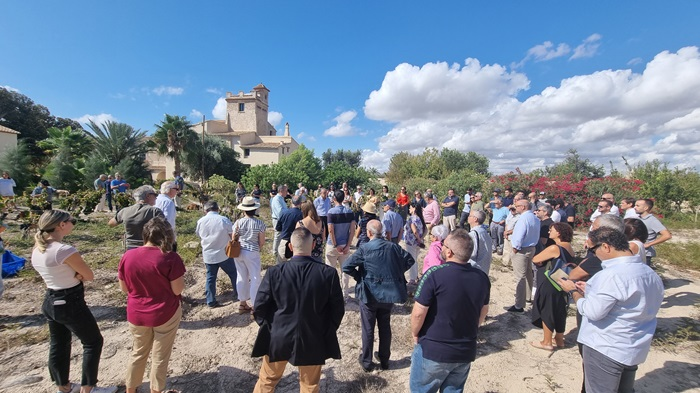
(47, 223)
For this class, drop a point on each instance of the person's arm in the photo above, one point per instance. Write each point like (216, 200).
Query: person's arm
(578, 273)
(331, 234)
(261, 239)
(350, 265)
(76, 262)
(351, 233)
(662, 237)
(417, 319)
(123, 287)
(178, 285)
(546, 254)
(482, 315)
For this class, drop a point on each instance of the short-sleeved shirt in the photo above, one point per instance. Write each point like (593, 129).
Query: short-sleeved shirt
(52, 268)
(570, 211)
(248, 229)
(256, 193)
(341, 217)
(7, 187)
(167, 206)
(322, 206)
(215, 231)
(392, 223)
(450, 211)
(99, 184)
(147, 272)
(654, 226)
(119, 183)
(408, 237)
(454, 294)
(134, 218)
(500, 214)
(478, 206)
(49, 191)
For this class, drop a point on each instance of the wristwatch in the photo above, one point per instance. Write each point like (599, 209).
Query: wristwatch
(571, 292)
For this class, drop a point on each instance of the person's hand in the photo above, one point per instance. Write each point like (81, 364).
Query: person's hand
(346, 249)
(415, 340)
(581, 286)
(515, 250)
(567, 285)
(127, 185)
(79, 276)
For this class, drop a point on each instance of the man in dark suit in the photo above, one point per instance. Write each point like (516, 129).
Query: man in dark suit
(301, 289)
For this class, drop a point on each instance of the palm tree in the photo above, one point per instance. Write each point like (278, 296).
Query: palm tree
(172, 136)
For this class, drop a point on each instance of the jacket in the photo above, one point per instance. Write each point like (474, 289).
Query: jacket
(299, 307)
(379, 267)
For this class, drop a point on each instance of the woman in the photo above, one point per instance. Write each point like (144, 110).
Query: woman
(153, 278)
(369, 212)
(63, 271)
(433, 258)
(251, 234)
(413, 237)
(549, 304)
(637, 234)
(313, 223)
(240, 192)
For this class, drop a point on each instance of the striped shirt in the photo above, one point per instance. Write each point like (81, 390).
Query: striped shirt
(248, 229)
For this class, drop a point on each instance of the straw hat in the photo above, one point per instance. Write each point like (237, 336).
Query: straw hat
(370, 207)
(249, 203)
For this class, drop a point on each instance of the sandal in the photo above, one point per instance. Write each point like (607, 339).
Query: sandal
(74, 388)
(539, 345)
(243, 308)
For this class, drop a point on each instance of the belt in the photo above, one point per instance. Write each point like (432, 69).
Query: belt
(67, 291)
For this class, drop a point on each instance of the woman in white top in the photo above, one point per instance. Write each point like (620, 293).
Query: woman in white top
(251, 232)
(637, 234)
(63, 271)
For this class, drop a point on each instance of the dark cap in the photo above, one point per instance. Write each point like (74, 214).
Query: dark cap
(391, 203)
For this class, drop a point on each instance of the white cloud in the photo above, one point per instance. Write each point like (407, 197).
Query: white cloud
(274, 118)
(168, 91)
(635, 61)
(545, 51)
(10, 88)
(196, 114)
(98, 119)
(215, 90)
(603, 115)
(303, 135)
(342, 126)
(588, 48)
(219, 110)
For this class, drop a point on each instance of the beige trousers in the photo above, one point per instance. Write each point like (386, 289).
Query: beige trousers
(335, 260)
(160, 339)
(271, 373)
(450, 222)
(522, 269)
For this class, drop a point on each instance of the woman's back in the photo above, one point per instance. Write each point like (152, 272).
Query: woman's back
(51, 265)
(248, 229)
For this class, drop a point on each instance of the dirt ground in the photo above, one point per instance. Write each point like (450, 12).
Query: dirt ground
(213, 346)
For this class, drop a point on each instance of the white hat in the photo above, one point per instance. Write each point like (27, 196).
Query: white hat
(249, 203)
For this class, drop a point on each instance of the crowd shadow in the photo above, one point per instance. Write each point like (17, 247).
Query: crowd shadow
(683, 377)
(675, 283)
(26, 320)
(234, 320)
(224, 379)
(109, 313)
(498, 332)
(681, 299)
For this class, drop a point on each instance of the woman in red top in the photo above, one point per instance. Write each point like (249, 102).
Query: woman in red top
(402, 202)
(153, 278)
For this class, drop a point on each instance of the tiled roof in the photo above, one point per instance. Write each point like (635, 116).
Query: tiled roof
(8, 130)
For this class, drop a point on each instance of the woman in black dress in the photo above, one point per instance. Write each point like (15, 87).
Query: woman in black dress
(549, 305)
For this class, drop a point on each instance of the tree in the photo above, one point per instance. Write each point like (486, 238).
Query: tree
(299, 167)
(350, 157)
(340, 171)
(219, 159)
(172, 136)
(67, 149)
(573, 163)
(17, 162)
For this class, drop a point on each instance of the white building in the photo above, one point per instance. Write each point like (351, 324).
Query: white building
(245, 129)
(8, 138)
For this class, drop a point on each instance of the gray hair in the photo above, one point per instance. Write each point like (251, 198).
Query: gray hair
(281, 188)
(548, 208)
(440, 231)
(479, 215)
(374, 227)
(142, 192)
(428, 195)
(479, 194)
(167, 186)
(611, 221)
(211, 206)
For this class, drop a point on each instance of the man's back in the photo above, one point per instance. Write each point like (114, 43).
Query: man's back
(134, 218)
(300, 290)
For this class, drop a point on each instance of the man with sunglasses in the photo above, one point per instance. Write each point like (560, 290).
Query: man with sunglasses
(619, 307)
(137, 215)
(526, 235)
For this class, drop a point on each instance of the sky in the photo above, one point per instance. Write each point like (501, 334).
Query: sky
(519, 82)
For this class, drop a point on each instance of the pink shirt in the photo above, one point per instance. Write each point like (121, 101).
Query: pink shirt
(432, 258)
(431, 213)
(147, 273)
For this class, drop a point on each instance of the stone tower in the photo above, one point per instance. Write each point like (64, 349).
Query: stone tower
(248, 112)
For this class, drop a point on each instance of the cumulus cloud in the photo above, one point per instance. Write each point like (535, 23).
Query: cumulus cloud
(274, 118)
(196, 114)
(342, 125)
(168, 91)
(10, 88)
(100, 119)
(219, 110)
(214, 90)
(588, 48)
(305, 136)
(654, 114)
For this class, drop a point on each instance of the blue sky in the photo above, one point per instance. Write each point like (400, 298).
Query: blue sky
(606, 78)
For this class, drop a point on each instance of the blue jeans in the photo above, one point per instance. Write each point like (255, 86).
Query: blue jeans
(229, 267)
(428, 376)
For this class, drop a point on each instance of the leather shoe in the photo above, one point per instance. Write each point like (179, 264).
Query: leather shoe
(365, 368)
(382, 365)
(515, 309)
(214, 305)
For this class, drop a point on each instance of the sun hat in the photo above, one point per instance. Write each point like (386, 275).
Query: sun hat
(249, 203)
(369, 207)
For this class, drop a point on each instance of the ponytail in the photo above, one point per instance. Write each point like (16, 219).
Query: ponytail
(47, 223)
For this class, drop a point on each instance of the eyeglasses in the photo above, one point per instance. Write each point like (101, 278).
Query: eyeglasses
(594, 248)
(71, 220)
(175, 188)
(602, 206)
(153, 193)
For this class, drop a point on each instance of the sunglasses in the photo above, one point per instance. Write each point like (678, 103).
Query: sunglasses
(594, 248)
(602, 206)
(71, 220)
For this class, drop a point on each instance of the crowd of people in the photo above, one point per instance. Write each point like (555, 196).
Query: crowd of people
(324, 238)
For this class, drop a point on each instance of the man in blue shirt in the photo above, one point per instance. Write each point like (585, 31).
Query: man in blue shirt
(449, 210)
(498, 225)
(392, 222)
(119, 184)
(286, 223)
(322, 204)
(526, 234)
(277, 206)
(341, 229)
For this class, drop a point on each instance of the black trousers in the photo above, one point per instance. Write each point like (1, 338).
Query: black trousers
(379, 314)
(67, 314)
(463, 219)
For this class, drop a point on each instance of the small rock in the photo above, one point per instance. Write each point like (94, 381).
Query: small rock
(192, 244)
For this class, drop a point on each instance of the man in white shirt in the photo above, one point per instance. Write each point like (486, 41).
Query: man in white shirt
(215, 231)
(619, 306)
(277, 206)
(358, 194)
(613, 209)
(627, 205)
(164, 202)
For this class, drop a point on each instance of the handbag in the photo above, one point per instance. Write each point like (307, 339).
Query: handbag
(560, 268)
(233, 248)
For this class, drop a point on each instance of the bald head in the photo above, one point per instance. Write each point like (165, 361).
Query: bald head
(302, 242)
(374, 229)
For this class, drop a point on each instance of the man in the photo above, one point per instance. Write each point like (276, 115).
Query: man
(180, 182)
(215, 231)
(496, 194)
(299, 308)
(555, 214)
(277, 206)
(109, 192)
(119, 184)
(604, 207)
(465, 211)
(449, 210)
(358, 194)
(657, 231)
(392, 222)
(511, 220)
(7, 185)
(44, 188)
(542, 200)
(341, 229)
(452, 301)
(285, 225)
(378, 267)
(481, 241)
(402, 202)
(322, 204)
(613, 209)
(299, 190)
(570, 210)
(273, 190)
(544, 214)
(99, 185)
(507, 197)
(526, 234)
(627, 205)
(498, 225)
(164, 201)
(137, 215)
(619, 307)
(431, 213)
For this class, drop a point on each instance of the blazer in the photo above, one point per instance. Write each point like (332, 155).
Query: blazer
(299, 307)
